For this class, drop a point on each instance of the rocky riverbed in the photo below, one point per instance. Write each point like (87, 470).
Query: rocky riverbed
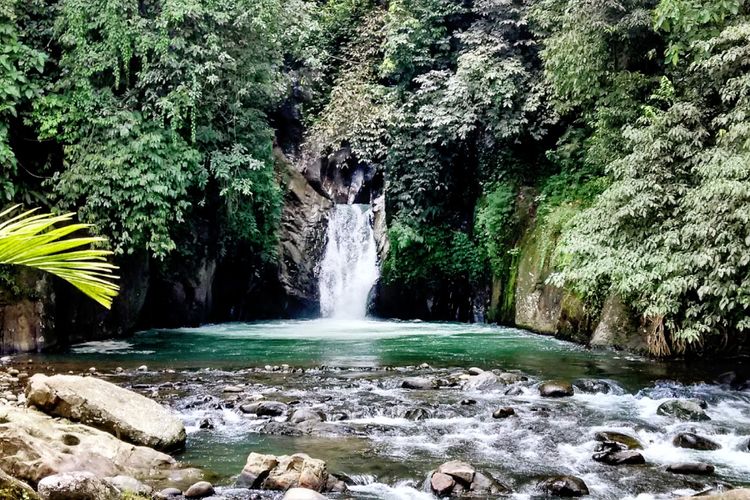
(369, 432)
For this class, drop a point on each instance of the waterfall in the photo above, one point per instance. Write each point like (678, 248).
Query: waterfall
(350, 264)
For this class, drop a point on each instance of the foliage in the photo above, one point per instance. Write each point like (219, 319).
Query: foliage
(497, 225)
(29, 239)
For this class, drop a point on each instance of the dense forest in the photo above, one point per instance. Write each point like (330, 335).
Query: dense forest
(625, 122)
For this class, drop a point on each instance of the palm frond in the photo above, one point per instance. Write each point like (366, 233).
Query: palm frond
(31, 239)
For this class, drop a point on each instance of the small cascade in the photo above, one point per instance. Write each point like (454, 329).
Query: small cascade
(350, 265)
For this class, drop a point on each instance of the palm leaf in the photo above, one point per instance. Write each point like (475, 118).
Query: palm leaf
(31, 239)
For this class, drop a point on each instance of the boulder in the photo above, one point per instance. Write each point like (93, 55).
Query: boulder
(168, 493)
(79, 485)
(419, 383)
(475, 371)
(442, 484)
(564, 486)
(95, 402)
(307, 415)
(699, 468)
(34, 445)
(485, 485)
(684, 409)
(592, 386)
(200, 489)
(460, 471)
(256, 469)
(555, 389)
(484, 380)
(287, 471)
(619, 457)
(503, 412)
(12, 488)
(265, 408)
(127, 484)
(628, 442)
(694, 442)
(302, 494)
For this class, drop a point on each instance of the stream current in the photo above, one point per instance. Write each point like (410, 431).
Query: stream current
(387, 438)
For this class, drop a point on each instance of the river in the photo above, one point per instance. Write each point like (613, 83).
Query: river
(387, 438)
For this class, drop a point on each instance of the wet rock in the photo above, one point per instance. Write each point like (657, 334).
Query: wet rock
(265, 408)
(142, 368)
(503, 412)
(79, 485)
(232, 389)
(12, 488)
(592, 386)
(555, 389)
(564, 486)
(484, 380)
(340, 416)
(127, 484)
(442, 484)
(511, 378)
(256, 469)
(420, 383)
(169, 493)
(628, 442)
(514, 391)
(698, 468)
(475, 371)
(417, 414)
(738, 494)
(307, 415)
(694, 442)
(298, 470)
(206, 424)
(108, 407)
(302, 494)
(619, 457)
(468, 402)
(684, 409)
(34, 445)
(486, 485)
(200, 489)
(458, 470)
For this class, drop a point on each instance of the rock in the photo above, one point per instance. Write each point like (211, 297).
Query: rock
(555, 389)
(475, 371)
(206, 424)
(33, 446)
(79, 485)
(302, 494)
(265, 408)
(511, 378)
(694, 442)
(564, 486)
(591, 386)
(12, 488)
(442, 484)
(460, 471)
(482, 381)
(103, 405)
(420, 383)
(619, 457)
(257, 468)
(127, 484)
(169, 493)
(503, 412)
(514, 391)
(307, 415)
(468, 402)
(628, 442)
(200, 489)
(684, 409)
(285, 472)
(142, 368)
(486, 485)
(13, 372)
(417, 414)
(699, 468)
(232, 389)
(298, 470)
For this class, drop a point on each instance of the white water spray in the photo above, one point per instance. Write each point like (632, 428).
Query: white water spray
(350, 265)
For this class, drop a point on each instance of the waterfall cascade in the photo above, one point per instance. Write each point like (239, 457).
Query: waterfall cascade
(350, 265)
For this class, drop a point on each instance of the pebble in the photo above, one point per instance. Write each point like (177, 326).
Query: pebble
(143, 368)
(503, 412)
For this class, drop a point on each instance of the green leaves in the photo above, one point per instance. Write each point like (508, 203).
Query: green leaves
(29, 239)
